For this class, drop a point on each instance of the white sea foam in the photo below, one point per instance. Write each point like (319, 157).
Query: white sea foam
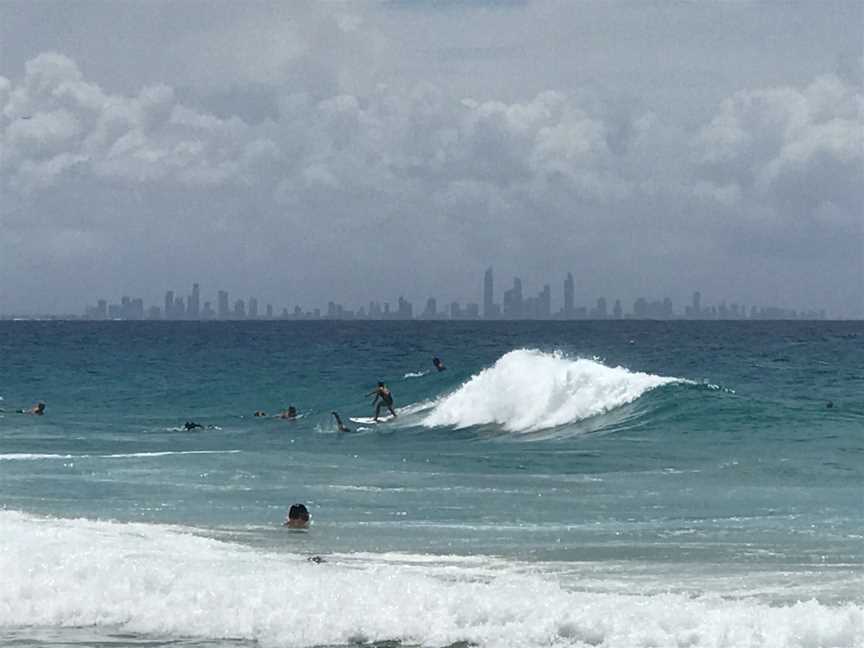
(26, 456)
(415, 374)
(528, 390)
(162, 581)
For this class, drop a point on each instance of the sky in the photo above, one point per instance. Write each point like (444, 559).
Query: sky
(306, 151)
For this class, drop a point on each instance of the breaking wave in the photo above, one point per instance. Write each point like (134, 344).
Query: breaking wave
(158, 581)
(528, 390)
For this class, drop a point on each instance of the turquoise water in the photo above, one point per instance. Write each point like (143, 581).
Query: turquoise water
(561, 483)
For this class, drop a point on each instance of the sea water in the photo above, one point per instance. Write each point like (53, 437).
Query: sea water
(614, 484)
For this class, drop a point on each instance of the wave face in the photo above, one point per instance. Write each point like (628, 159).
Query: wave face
(528, 390)
(155, 580)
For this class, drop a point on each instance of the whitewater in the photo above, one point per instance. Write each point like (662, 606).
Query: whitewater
(611, 484)
(528, 390)
(156, 581)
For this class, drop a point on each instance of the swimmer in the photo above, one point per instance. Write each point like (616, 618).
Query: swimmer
(290, 414)
(298, 517)
(382, 392)
(37, 410)
(341, 427)
(438, 364)
(192, 425)
(260, 413)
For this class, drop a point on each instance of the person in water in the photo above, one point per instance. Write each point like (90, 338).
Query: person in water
(290, 414)
(438, 364)
(192, 425)
(382, 393)
(37, 410)
(298, 517)
(260, 413)
(340, 426)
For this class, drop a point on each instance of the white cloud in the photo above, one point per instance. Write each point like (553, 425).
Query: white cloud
(795, 147)
(57, 122)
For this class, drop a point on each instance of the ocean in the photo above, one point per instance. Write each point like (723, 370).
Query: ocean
(612, 484)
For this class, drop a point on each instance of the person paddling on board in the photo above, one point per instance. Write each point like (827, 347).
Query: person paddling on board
(341, 427)
(438, 364)
(37, 410)
(382, 393)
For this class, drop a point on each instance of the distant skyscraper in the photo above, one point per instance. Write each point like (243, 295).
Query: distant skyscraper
(488, 295)
(222, 306)
(431, 310)
(240, 309)
(253, 308)
(697, 304)
(179, 308)
(511, 307)
(168, 311)
(195, 303)
(569, 292)
(544, 303)
(600, 312)
(405, 309)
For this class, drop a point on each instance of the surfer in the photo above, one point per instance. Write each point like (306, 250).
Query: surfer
(260, 413)
(192, 425)
(37, 410)
(298, 517)
(382, 393)
(341, 427)
(290, 414)
(438, 364)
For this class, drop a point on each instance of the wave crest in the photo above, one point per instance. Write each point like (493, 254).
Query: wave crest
(528, 390)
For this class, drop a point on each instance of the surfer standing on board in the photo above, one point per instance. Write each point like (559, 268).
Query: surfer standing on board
(382, 392)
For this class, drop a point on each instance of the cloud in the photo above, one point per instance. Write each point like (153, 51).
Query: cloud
(335, 174)
(793, 148)
(55, 122)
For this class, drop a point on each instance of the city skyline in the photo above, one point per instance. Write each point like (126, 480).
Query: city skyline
(513, 305)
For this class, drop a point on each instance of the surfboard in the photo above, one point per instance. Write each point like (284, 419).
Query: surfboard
(368, 420)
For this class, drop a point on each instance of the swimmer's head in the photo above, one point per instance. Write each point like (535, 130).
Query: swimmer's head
(298, 516)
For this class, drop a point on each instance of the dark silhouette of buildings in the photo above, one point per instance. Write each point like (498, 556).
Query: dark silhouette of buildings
(514, 306)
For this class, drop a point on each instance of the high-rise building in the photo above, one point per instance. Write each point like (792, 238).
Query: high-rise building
(195, 303)
(179, 308)
(240, 309)
(600, 311)
(168, 311)
(431, 310)
(253, 308)
(222, 306)
(511, 307)
(488, 295)
(569, 293)
(544, 303)
(405, 309)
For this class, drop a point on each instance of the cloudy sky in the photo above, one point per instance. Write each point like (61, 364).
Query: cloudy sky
(302, 151)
